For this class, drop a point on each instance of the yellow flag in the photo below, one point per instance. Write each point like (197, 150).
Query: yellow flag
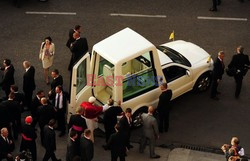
(171, 36)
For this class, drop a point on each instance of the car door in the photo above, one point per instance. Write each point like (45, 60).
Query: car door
(178, 77)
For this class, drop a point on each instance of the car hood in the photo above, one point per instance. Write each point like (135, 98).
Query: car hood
(189, 50)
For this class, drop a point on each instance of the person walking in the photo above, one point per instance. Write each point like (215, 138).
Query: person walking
(35, 104)
(50, 141)
(6, 145)
(19, 97)
(126, 123)
(241, 63)
(46, 55)
(150, 132)
(218, 71)
(117, 144)
(29, 136)
(60, 103)
(73, 148)
(28, 82)
(8, 76)
(86, 146)
(163, 107)
(45, 113)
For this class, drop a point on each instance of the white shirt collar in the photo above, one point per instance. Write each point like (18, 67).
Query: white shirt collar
(27, 69)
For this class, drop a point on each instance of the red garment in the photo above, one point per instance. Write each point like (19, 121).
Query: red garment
(91, 111)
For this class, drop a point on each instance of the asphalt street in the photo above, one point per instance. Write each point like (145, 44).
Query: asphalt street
(195, 119)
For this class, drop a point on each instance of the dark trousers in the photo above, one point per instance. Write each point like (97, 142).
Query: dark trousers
(15, 130)
(60, 116)
(49, 154)
(109, 130)
(215, 3)
(41, 132)
(114, 157)
(238, 80)
(214, 86)
(163, 121)
(28, 98)
(7, 92)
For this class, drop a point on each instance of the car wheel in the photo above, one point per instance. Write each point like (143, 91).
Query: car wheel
(203, 83)
(137, 121)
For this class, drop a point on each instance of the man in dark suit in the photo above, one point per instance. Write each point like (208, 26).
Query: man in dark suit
(73, 148)
(60, 103)
(14, 111)
(163, 107)
(6, 145)
(218, 71)
(78, 48)
(110, 117)
(35, 104)
(4, 117)
(19, 97)
(117, 144)
(50, 142)
(45, 113)
(241, 63)
(86, 146)
(57, 80)
(150, 132)
(28, 82)
(8, 76)
(126, 123)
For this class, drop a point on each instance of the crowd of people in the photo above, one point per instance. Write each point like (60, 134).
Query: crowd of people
(50, 112)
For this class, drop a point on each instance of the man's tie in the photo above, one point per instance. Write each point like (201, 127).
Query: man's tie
(58, 100)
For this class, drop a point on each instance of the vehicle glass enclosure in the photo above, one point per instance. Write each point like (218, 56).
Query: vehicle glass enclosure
(174, 55)
(81, 79)
(173, 72)
(139, 76)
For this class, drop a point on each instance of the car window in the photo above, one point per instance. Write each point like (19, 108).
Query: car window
(174, 55)
(173, 72)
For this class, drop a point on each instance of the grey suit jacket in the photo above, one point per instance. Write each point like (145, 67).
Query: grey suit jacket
(150, 127)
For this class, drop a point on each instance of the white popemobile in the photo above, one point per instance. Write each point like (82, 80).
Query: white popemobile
(129, 68)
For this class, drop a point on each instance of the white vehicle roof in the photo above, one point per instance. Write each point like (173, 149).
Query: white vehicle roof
(123, 45)
(189, 50)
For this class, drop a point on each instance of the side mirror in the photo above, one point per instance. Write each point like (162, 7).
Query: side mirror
(188, 72)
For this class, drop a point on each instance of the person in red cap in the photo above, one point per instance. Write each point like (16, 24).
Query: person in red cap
(91, 113)
(29, 136)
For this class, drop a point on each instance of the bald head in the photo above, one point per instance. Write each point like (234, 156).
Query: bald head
(151, 109)
(43, 101)
(26, 64)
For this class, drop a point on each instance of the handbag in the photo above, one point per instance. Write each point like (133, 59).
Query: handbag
(231, 71)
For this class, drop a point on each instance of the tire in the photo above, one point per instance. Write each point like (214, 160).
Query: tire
(203, 83)
(137, 122)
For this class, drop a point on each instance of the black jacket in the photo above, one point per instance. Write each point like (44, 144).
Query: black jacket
(35, 104)
(14, 110)
(164, 101)
(56, 82)
(8, 78)
(5, 148)
(73, 150)
(117, 144)
(4, 116)
(45, 114)
(65, 98)
(78, 49)
(218, 70)
(29, 80)
(71, 38)
(86, 149)
(240, 61)
(49, 139)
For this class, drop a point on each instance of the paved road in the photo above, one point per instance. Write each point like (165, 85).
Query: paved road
(195, 119)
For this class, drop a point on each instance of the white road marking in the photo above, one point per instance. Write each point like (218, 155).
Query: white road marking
(50, 13)
(137, 15)
(222, 18)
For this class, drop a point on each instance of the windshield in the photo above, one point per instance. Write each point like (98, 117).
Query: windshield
(174, 55)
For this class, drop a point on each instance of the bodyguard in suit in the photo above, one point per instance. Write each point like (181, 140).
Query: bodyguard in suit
(60, 103)
(19, 97)
(45, 113)
(126, 124)
(28, 82)
(4, 117)
(117, 144)
(73, 148)
(86, 146)
(57, 80)
(218, 71)
(28, 137)
(35, 104)
(163, 107)
(240, 62)
(8, 76)
(14, 112)
(50, 141)
(78, 48)
(110, 118)
(150, 132)
(6, 145)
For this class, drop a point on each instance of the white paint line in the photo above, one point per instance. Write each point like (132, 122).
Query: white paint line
(137, 15)
(50, 13)
(222, 18)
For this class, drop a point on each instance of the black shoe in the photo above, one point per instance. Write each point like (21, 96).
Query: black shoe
(218, 92)
(105, 147)
(59, 159)
(130, 146)
(61, 134)
(213, 9)
(219, 2)
(155, 156)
